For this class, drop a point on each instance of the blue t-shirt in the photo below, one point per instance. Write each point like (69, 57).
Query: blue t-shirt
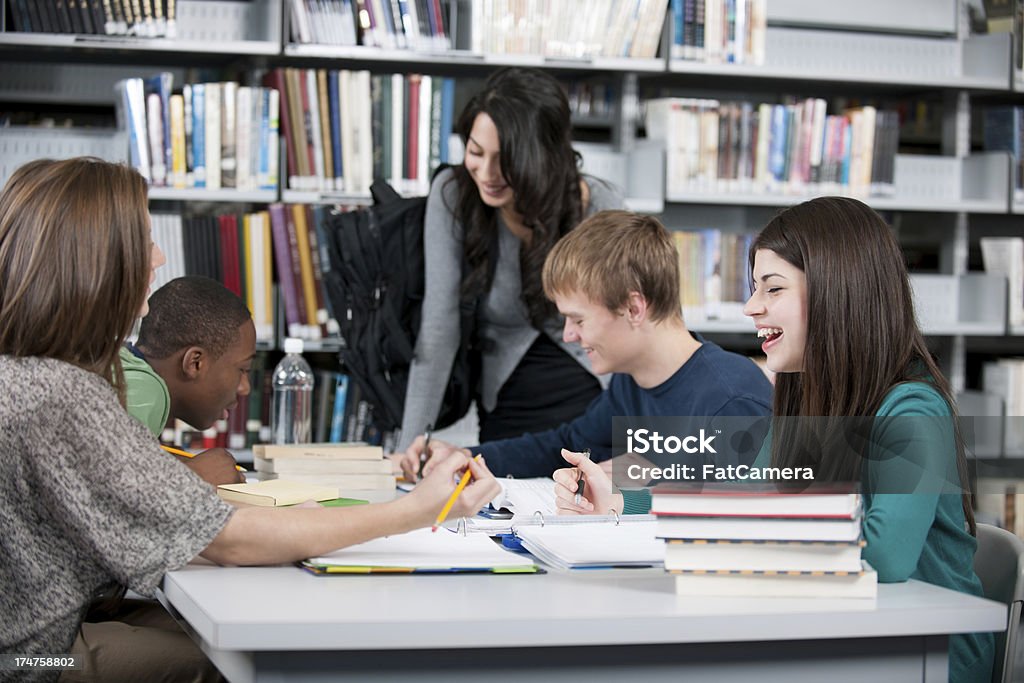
(713, 382)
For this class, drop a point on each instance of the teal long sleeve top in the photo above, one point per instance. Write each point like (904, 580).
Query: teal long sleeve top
(913, 525)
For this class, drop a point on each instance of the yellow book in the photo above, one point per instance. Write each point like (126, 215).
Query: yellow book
(268, 277)
(305, 265)
(178, 170)
(275, 492)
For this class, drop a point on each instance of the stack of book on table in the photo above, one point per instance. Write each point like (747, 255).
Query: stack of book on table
(356, 470)
(749, 541)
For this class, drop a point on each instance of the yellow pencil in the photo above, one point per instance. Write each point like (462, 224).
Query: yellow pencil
(455, 494)
(186, 454)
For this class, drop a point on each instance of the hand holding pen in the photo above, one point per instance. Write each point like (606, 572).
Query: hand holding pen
(425, 453)
(584, 488)
(581, 482)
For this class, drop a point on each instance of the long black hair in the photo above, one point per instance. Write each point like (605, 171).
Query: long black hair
(531, 112)
(862, 334)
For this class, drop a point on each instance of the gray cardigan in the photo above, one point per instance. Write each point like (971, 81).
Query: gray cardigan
(504, 318)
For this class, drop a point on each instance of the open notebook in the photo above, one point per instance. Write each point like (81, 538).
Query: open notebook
(422, 551)
(580, 543)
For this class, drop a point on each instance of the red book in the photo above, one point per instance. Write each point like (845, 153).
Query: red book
(275, 79)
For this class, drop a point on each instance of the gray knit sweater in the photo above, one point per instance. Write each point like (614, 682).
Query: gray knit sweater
(504, 318)
(87, 500)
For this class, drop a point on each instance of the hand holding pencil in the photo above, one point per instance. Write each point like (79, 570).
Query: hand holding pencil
(440, 497)
(215, 466)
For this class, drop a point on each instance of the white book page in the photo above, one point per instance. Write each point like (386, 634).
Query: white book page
(526, 497)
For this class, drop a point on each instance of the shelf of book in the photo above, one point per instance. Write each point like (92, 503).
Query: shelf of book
(136, 44)
(198, 26)
(978, 63)
(221, 195)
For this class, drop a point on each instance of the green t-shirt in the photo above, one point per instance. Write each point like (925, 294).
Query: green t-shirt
(147, 398)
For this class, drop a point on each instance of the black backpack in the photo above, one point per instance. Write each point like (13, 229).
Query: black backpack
(375, 286)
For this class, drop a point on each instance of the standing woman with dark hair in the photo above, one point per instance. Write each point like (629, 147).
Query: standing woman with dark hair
(518, 192)
(832, 300)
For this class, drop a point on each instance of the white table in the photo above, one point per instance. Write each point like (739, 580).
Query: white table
(283, 624)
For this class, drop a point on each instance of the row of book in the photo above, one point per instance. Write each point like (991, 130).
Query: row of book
(553, 28)
(750, 543)
(300, 256)
(343, 129)
(211, 135)
(717, 31)
(245, 251)
(420, 25)
(714, 281)
(144, 18)
(235, 249)
(1003, 129)
(355, 469)
(558, 29)
(795, 147)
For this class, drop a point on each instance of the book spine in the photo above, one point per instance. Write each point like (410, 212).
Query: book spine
(285, 275)
(214, 112)
(199, 134)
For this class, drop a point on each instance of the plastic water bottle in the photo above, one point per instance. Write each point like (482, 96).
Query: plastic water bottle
(292, 407)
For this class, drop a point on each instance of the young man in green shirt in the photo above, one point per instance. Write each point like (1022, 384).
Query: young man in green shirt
(191, 362)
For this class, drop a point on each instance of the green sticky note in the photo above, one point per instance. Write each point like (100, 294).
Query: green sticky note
(343, 502)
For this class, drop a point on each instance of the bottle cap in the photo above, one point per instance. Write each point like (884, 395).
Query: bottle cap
(292, 345)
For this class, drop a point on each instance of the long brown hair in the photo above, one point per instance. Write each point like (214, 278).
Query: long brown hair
(531, 112)
(860, 318)
(74, 262)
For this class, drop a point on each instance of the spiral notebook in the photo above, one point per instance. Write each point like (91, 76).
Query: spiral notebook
(594, 542)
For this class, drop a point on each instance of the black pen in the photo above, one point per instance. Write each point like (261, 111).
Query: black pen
(425, 454)
(579, 482)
